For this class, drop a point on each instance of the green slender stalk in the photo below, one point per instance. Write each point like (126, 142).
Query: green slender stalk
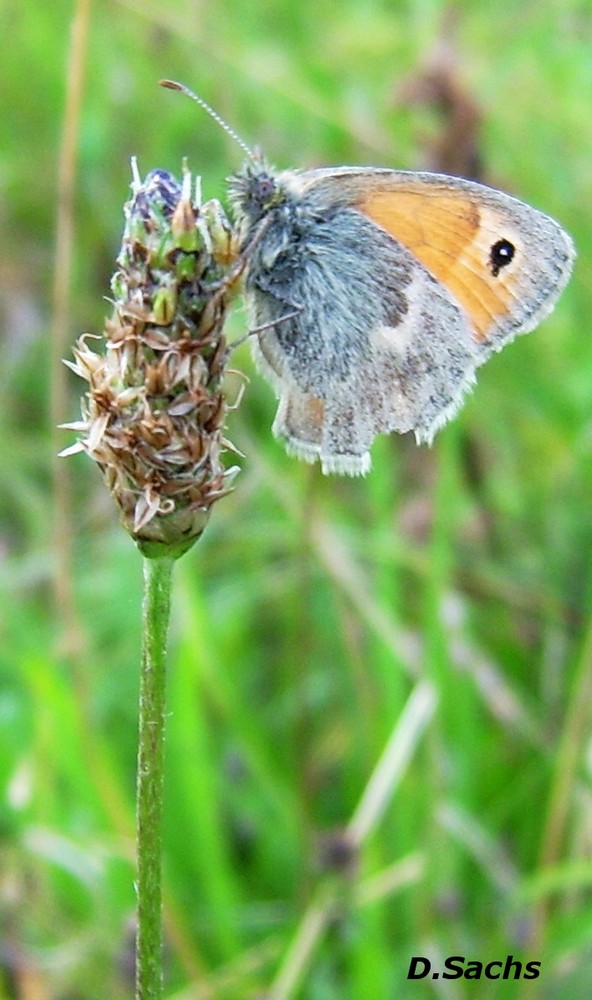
(156, 614)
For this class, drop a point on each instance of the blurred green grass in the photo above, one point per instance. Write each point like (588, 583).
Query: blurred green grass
(311, 608)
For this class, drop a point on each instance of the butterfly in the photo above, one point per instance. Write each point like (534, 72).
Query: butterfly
(375, 295)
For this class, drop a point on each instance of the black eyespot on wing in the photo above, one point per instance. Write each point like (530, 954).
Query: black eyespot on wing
(500, 255)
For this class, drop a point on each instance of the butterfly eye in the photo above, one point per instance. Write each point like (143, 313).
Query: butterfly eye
(265, 187)
(500, 255)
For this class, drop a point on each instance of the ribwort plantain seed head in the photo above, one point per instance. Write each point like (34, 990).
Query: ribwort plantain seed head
(154, 413)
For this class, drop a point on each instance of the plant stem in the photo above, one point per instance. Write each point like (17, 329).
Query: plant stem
(156, 613)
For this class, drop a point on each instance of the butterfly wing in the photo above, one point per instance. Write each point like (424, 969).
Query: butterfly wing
(503, 262)
(380, 293)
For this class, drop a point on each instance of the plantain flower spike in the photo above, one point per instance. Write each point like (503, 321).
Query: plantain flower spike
(154, 413)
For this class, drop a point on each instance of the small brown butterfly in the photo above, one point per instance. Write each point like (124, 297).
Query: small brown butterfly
(378, 293)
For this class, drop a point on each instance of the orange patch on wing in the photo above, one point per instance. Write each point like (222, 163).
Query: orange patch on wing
(442, 230)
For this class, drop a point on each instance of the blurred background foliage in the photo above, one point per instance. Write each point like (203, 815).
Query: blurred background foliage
(313, 609)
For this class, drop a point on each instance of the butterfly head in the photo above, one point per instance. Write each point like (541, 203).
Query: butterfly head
(255, 190)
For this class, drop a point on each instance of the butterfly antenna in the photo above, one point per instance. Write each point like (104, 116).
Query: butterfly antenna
(173, 85)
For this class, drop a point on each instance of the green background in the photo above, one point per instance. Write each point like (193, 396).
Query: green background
(313, 609)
